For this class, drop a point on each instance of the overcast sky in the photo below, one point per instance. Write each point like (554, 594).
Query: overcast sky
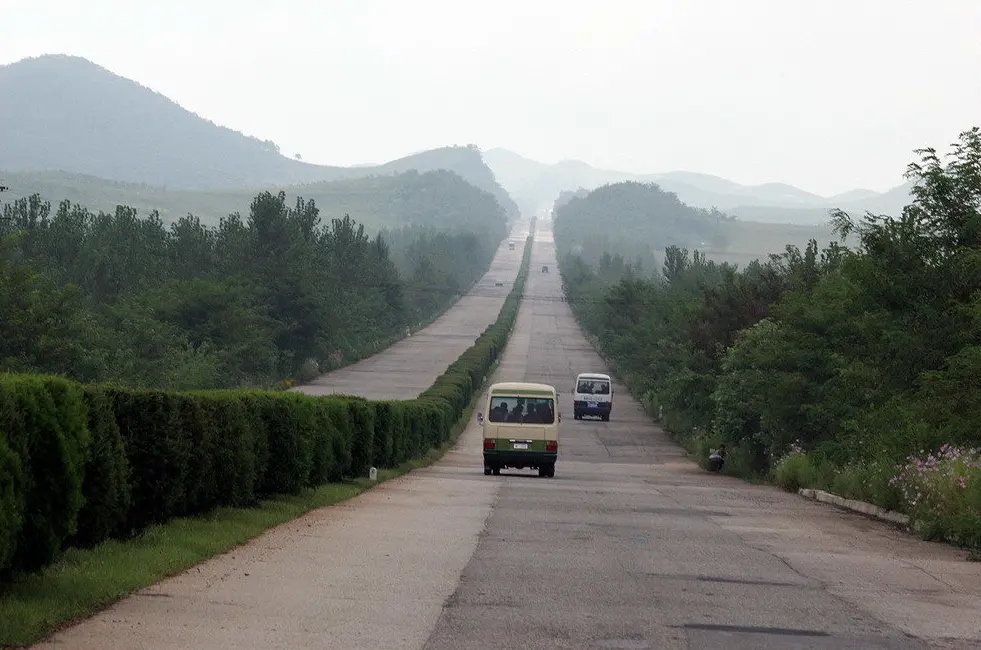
(827, 95)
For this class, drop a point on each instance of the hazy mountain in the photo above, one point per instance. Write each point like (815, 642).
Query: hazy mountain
(638, 220)
(66, 113)
(535, 185)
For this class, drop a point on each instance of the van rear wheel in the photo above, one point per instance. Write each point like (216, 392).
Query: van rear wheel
(487, 471)
(497, 471)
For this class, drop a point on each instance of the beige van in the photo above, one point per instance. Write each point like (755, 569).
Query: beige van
(521, 428)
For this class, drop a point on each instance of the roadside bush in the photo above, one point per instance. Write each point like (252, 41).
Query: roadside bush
(342, 441)
(941, 493)
(798, 469)
(259, 434)
(44, 422)
(308, 423)
(401, 433)
(869, 481)
(12, 488)
(362, 415)
(383, 444)
(230, 449)
(106, 485)
(201, 482)
(289, 457)
(158, 449)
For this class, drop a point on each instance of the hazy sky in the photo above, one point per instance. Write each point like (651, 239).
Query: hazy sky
(827, 95)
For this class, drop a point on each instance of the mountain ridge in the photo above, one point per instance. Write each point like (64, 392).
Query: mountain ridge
(65, 113)
(117, 129)
(535, 185)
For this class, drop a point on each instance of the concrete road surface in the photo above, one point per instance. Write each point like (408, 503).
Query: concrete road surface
(412, 365)
(630, 546)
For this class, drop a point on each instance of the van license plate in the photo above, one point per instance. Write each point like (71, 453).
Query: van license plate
(592, 405)
(521, 445)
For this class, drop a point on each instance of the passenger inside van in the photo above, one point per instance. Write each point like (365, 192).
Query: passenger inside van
(524, 411)
(499, 413)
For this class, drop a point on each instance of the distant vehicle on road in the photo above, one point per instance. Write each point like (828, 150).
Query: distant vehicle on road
(521, 428)
(545, 269)
(511, 245)
(593, 395)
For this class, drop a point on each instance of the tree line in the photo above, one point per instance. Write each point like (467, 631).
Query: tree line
(251, 302)
(853, 368)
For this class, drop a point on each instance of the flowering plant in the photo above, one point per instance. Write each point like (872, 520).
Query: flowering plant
(941, 493)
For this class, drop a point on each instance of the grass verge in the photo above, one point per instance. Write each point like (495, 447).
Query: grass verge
(83, 582)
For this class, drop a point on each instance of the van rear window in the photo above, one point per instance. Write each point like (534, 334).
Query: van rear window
(522, 410)
(593, 387)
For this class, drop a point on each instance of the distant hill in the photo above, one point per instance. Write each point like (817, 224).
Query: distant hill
(535, 185)
(440, 198)
(631, 218)
(65, 113)
(639, 220)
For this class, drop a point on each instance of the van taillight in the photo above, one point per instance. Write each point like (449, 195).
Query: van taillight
(488, 443)
(552, 445)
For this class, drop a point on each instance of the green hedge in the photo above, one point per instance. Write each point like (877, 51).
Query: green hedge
(82, 464)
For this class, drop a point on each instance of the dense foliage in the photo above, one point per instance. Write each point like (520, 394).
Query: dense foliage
(855, 369)
(249, 302)
(81, 464)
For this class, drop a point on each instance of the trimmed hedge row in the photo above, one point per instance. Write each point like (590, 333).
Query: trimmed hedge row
(81, 464)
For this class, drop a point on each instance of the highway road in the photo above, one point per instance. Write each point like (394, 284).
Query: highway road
(410, 366)
(629, 546)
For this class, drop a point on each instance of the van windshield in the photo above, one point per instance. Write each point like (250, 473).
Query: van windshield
(522, 410)
(593, 387)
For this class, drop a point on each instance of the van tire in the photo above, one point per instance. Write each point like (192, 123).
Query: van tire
(487, 471)
(551, 471)
(606, 417)
(542, 471)
(497, 471)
